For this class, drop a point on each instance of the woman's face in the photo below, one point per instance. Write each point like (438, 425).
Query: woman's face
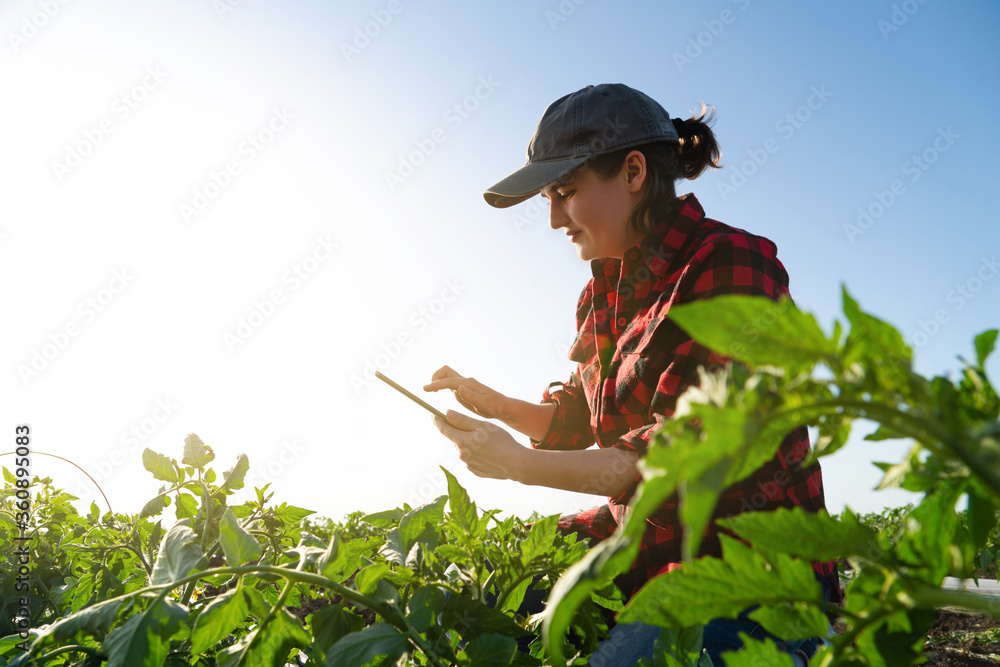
(594, 213)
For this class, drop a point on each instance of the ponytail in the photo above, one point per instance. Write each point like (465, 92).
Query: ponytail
(698, 146)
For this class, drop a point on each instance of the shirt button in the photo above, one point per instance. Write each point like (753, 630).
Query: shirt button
(622, 322)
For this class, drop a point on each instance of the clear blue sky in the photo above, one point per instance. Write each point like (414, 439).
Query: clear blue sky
(216, 213)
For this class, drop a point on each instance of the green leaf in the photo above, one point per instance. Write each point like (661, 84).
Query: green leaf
(331, 623)
(461, 510)
(985, 343)
(424, 607)
(360, 648)
(187, 506)
(877, 346)
(156, 505)
(163, 467)
(367, 578)
(755, 654)
(144, 639)
(342, 558)
(833, 433)
(756, 330)
(814, 536)
(515, 596)
(196, 453)
(291, 515)
(930, 537)
(179, 555)
(232, 479)
(268, 646)
(472, 618)
(386, 519)
(678, 648)
(710, 588)
(238, 545)
(594, 571)
(94, 619)
(393, 549)
(218, 619)
(489, 651)
(798, 621)
(8, 476)
(415, 522)
(982, 518)
(539, 540)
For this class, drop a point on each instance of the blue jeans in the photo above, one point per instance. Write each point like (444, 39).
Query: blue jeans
(628, 643)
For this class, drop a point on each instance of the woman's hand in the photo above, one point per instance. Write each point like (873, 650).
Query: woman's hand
(531, 419)
(487, 449)
(472, 394)
(490, 451)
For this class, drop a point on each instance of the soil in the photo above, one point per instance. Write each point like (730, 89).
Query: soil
(963, 639)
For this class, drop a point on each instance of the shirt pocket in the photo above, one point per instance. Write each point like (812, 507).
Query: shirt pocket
(643, 356)
(641, 335)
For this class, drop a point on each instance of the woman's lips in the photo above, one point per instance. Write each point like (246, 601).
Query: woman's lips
(572, 235)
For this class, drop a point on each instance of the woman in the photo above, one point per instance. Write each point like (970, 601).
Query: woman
(606, 158)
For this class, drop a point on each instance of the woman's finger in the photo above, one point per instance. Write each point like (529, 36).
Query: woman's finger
(478, 402)
(444, 372)
(444, 383)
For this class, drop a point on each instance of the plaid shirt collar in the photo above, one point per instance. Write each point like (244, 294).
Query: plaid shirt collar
(659, 247)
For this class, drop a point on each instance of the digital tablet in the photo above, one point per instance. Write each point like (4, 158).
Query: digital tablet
(411, 395)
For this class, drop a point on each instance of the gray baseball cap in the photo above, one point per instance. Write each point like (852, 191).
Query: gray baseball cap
(595, 120)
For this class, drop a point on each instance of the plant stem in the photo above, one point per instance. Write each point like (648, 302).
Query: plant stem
(923, 431)
(939, 597)
(71, 648)
(389, 612)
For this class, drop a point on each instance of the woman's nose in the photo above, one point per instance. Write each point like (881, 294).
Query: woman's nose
(557, 217)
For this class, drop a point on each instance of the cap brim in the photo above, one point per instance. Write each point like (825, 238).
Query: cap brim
(525, 183)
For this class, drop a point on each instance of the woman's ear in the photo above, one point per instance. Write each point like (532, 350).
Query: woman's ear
(634, 170)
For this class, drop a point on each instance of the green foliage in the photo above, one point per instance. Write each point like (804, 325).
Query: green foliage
(194, 580)
(790, 373)
(261, 584)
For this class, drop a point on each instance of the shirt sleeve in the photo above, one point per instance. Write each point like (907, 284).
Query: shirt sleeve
(570, 427)
(571, 424)
(726, 264)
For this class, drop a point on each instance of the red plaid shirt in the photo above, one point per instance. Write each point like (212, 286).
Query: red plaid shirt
(634, 362)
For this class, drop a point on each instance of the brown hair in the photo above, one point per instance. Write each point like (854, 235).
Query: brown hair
(666, 162)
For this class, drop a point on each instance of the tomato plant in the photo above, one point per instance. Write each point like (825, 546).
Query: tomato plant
(443, 584)
(788, 373)
(439, 584)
